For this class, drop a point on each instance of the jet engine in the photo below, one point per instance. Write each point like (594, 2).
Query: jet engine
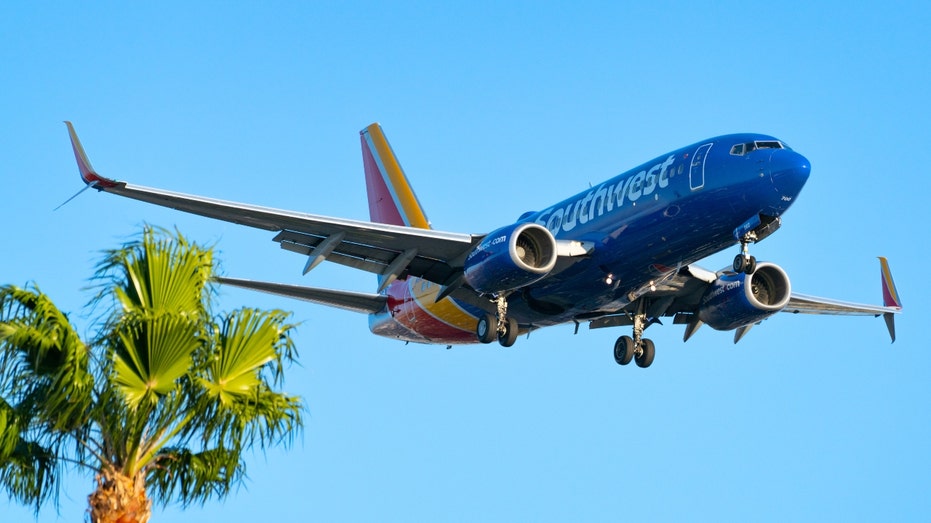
(736, 300)
(510, 258)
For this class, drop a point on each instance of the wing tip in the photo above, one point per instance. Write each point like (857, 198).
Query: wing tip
(890, 293)
(890, 296)
(890, 324)
(88, 174)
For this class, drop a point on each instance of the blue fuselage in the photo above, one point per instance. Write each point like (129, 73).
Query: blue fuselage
(669, 212)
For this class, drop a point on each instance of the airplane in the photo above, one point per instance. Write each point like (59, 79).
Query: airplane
(620, 253)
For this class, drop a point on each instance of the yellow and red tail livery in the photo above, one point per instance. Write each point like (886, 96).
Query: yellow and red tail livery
(391, 198)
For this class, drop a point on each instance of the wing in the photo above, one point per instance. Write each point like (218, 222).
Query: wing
(805, 304)
(678, 293)
(802, 303)
(389, 250)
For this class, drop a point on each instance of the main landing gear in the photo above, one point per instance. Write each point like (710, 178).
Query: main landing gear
(500, 326)
(638, 348)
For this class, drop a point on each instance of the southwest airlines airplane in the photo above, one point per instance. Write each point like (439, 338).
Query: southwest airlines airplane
(621, 253)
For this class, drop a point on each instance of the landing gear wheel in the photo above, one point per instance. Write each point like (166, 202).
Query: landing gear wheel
(486, 330)
(509, 336)
(624, 350)
(647, 352)
(745, 264)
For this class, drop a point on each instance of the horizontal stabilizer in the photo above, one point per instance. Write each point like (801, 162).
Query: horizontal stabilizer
(363, 302)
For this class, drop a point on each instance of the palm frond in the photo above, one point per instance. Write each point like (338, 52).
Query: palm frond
(171, 392)
(153, 353)
(42, 355)
(247, 341)
(275, 418)
(159, 271)
(195, 476)
(29, 473)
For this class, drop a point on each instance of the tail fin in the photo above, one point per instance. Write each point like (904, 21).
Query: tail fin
(391, 198)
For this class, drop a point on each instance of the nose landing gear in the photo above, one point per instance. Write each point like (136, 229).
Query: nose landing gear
(753, 230)
(744, 262)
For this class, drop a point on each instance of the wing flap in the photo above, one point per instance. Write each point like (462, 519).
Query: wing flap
(368, 258)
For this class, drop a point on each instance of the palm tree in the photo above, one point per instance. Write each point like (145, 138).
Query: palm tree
(160, 405)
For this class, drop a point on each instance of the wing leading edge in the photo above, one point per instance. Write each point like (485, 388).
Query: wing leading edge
(390, 250)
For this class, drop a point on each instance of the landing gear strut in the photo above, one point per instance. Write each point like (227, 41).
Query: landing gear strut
(638, 348)
(500, 326)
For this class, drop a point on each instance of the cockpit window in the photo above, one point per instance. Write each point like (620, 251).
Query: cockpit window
(744, 148)
(760, 144)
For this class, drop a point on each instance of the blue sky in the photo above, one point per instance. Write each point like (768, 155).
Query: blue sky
(495, 110)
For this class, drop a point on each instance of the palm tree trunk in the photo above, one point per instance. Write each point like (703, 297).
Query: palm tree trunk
(119, 498)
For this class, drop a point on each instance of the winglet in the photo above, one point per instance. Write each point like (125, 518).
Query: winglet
(88, 174)
(890, 294)
(890, 324)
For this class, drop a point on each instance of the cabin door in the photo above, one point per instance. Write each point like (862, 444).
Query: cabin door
(697, 171)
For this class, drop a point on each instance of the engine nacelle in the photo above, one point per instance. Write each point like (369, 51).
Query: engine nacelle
(735, 300)
(510, 258)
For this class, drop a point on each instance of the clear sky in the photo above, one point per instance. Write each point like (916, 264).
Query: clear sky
(494, 110)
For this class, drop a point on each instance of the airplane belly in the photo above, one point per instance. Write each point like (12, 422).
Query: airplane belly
(630, 257)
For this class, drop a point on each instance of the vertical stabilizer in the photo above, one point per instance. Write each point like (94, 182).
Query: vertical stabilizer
(391, 198)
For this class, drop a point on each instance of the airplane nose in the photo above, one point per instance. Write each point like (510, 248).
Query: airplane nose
(789, 171)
